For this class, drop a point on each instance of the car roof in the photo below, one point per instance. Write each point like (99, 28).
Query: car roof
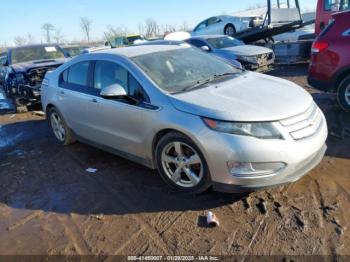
(161, 42)
(205, 37)
(137, 50)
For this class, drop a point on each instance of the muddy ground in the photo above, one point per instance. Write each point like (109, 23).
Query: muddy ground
(49, 204)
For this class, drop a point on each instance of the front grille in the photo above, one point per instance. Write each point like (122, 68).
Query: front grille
(305, 124)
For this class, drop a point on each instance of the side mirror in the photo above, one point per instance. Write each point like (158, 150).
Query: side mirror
(205, 48)
(4, 62)
(113, 91)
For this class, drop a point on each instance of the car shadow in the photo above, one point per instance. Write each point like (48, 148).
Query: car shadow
(338, 122)
(38, 174)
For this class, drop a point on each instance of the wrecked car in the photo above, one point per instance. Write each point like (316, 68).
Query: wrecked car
(25, 68)
(254, 58)
(200, 126)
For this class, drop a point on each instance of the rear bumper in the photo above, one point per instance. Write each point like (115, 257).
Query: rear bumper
(307, 166)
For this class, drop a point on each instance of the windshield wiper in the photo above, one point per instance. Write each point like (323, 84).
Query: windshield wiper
(204, 82)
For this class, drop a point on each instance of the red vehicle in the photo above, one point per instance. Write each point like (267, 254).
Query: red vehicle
(330, 61)
(325, 9)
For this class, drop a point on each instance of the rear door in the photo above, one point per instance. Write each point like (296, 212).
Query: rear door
(73, 96)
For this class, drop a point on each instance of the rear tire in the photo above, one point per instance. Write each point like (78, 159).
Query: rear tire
(230, 30)
(60, 129)
(181, 164)
(344, 94)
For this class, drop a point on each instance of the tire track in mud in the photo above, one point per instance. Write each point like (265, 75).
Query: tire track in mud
(75, 235)
(25, 220)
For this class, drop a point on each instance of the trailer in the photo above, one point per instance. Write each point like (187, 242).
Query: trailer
(279, 18)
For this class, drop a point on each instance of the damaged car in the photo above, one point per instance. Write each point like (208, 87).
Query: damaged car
(252, 57)
(25, 68)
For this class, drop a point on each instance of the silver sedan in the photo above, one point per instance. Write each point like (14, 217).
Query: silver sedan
(198, 120)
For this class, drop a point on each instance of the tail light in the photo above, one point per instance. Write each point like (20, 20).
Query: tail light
(319, 46)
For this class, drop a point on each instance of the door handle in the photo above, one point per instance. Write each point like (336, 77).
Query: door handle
(62, 92)
(94, 100)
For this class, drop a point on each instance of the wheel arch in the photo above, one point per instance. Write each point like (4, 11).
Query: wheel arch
(163, 132)
(340, 76)
(229, 24)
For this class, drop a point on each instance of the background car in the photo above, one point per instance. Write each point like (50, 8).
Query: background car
(330, 63)
(127, 40)
(250, 56)
(74, 50)
(218, 25)
(198, 120)
(26, 67)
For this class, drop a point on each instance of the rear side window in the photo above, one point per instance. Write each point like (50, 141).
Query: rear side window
(78, 74)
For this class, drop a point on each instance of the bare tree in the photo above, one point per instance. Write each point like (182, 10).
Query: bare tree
(30, 39)
(184, 27)
(19, 40)
(58, 37)
(168, 29)
(85, 25)
(47, 28)
(152, 28)
(141, 28)
(113, 32)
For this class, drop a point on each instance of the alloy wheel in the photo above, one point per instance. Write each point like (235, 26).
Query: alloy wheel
(347, 95)
(182, 164)
(57, 126)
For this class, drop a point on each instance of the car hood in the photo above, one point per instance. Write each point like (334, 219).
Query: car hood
(24, 67)
(247, 50)
(248, 97)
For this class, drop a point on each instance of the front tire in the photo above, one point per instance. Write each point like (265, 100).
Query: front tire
(230, 30)
(344, 94)
(181, 164)
(61, 131)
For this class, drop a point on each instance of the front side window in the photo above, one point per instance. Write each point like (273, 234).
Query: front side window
(109, 73)
(224, 42)
(181, 68)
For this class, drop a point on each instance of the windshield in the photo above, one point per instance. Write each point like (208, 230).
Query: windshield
(177, 70)
(76, 50)
(224, 42)
(26, 54)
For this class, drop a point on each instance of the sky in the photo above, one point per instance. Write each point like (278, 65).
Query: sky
(20, 18)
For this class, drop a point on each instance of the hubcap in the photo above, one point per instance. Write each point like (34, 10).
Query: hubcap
(182, 164)
(57, 126)
(347, 95)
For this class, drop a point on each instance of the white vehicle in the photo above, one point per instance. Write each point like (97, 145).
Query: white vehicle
(218, 25)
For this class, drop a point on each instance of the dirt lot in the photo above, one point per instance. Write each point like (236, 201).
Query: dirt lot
(49, 204)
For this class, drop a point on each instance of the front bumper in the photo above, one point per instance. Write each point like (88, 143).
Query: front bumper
(261, 184)
(300, 156)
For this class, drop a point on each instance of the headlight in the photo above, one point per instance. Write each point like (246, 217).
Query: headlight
(250, 59)
(265, 130)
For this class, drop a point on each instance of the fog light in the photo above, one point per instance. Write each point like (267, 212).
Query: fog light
(248, 169)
